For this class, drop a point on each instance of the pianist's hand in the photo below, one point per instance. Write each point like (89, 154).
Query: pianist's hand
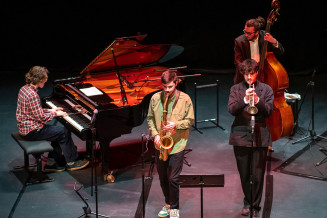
(61, 114)
(80, 109)
(56, 109)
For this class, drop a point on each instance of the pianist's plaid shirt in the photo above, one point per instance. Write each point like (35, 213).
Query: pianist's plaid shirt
(30, 115)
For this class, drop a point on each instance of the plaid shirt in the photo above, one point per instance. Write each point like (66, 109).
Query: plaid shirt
(29, 114)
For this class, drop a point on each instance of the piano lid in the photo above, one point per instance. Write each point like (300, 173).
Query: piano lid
(129, 52)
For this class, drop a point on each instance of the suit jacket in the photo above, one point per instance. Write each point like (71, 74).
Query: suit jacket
(242, 52)
(241, 129)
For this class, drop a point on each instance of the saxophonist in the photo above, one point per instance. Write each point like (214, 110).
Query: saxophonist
(170, 116)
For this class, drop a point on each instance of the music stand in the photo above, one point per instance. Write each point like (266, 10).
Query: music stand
(215, 120)
(186, 151)
(194, 181)
(313, 136)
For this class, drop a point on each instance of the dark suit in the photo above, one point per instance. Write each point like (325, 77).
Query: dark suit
(242, 52)
(241, 138)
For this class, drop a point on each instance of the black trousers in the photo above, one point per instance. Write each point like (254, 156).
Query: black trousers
(61, 142)
(243, 160)
(168, 172)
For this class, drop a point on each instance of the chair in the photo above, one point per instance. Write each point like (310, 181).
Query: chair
(35, 148)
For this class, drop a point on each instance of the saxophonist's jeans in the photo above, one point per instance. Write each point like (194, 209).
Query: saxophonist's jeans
(168, 172)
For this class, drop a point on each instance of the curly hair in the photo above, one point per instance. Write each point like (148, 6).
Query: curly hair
(36, 74)
(248, 66)
(257, 23)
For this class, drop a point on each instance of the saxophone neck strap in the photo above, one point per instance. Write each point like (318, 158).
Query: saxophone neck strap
(162, 97)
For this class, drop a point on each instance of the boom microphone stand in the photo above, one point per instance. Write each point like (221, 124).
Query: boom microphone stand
(87, 209)
(313, 134)
(252, 110)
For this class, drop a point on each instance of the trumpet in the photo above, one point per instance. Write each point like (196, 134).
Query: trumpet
(252, 109)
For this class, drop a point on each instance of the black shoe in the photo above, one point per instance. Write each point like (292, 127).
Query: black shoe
(77, 165)
(53, 168)
(256, 213)
(245, 211)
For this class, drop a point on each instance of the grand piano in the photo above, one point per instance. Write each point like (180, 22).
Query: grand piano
(114, 90)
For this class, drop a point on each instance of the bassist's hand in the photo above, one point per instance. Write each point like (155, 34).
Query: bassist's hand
(269, 38)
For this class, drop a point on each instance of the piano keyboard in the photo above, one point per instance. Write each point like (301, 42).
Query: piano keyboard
(69, 119)
(73, 105)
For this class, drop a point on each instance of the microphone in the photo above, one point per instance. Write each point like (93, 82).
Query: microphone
(147, 135)
(313, 73)
(128, 84)
(252, 123)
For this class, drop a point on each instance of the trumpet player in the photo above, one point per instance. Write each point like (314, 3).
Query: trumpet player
(170, 116)
(250, 99)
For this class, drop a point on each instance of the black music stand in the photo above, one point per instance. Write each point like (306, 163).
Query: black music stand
(215, 121)
(194, 181)
(313, 136)
(186, 151)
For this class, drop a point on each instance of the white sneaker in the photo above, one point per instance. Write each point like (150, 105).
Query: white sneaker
(174, 213)
(164, 211)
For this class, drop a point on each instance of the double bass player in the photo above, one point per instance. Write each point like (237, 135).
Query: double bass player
(249, 45)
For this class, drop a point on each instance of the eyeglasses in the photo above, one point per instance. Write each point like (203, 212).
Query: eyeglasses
(247, 33)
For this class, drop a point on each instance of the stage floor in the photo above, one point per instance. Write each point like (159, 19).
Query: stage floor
(293, 196)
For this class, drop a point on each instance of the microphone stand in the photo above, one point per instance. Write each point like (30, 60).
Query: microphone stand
(252, 110)
(252, 123)
(120, 79)
(142, 157)
(147, 137)
(87, 209)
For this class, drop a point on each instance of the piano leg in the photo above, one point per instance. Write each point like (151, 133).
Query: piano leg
(107, 174)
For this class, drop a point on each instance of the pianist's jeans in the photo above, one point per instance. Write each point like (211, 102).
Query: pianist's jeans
(61, 141)
(168, 172)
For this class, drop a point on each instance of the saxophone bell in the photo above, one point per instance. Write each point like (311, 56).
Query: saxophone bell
(166, 142)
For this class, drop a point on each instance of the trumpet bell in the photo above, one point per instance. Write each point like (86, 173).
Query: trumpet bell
(252, 110)
(167, 142)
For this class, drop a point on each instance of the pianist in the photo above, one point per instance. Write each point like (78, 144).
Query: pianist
(32, 124)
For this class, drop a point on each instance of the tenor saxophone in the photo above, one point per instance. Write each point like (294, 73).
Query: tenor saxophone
(166, 141)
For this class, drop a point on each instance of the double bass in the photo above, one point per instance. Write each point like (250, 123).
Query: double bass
(271, 72)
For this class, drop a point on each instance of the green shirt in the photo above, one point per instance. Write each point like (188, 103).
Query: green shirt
(182, 115)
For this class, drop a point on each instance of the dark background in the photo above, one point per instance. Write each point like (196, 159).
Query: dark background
(67, 35)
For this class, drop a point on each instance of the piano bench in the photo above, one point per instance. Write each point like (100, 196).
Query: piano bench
(35, 148)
